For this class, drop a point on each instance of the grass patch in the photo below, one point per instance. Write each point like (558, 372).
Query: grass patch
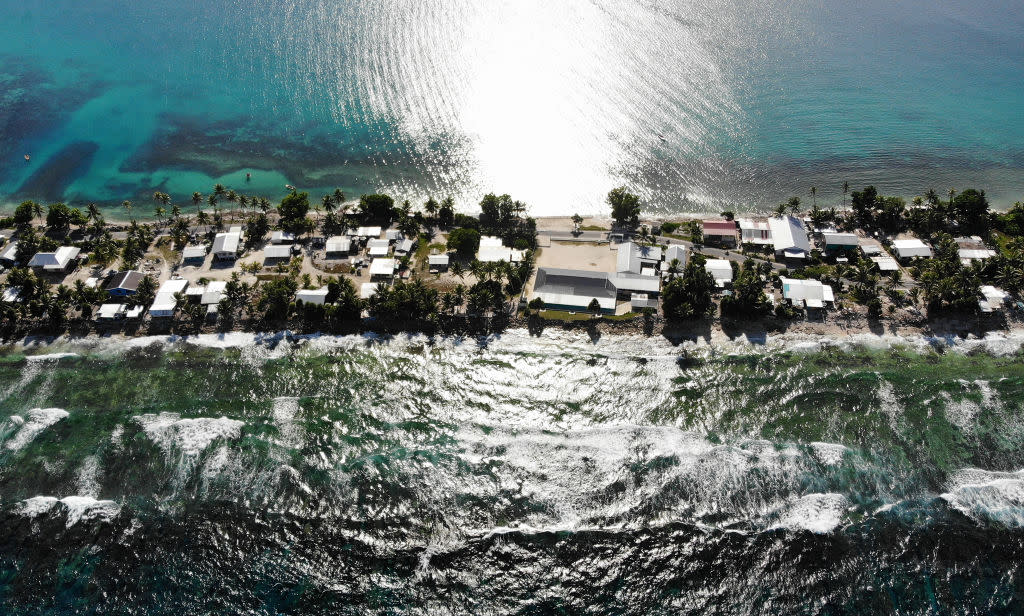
(564, 315)
(593, 228)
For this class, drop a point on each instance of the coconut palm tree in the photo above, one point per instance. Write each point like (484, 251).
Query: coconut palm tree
(952, 193)
(431, 207)
(92, 212)
(160, 212)
(127, 205)
(37, 210)
(814, 196)
(219, 190)
(175, 211)
(846, 189)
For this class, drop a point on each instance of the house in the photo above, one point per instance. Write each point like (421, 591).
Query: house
(789, 237)
(438, 263)
(165, 303)
(9, 255)
(312, 296)
(366, 232)
(755, 232)
(368, 290)
(994, 300)
(379, 248)
(393, 235)
(492, 250)
(627, 283)
(338, 247)
(110, 312)
(574, 289)
(213, 293)
(123, 284)
(282, 237)
(677, 252)
(193, 255)
(225, 246)
(973, 249)
(840, 242)
(911, 249)
(720, 270)
(886, 263)
(637, 259)
(639, 301)
(58, 261)
(870, 248)
(719, 232)
(810, 293)
(404, 247)
(383, 268)
(277, 253)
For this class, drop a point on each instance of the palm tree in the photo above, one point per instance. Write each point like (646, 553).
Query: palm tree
(160, 211)
(92, 212)
(846, 189)
(458, 270)
(814, 196)
(952, 193)
(430, 207)
(127, 205)
(339, 197)
(37, 210)
(931, 197)
(175, 211)
(780, 210)
(219, 190)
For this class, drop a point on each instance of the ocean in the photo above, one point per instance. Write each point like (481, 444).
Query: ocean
(695, 105)
(514, 474)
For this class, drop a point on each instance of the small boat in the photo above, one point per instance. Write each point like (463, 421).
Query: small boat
(27, 157)
(662, 137)
(248, 176)
(289, 187)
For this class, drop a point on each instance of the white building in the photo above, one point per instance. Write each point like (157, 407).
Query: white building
(379, 248)
(213, 293)
(886, 264)
(438, 263)
(404, 247)
(282, 237)
(225, 245)
(368, 290)
(840, 241)
(720, 270)
(911, 249)
(109, 312)
(338, 245)
(636, 259)
(383, 268)
(810, 293)
(312, 296)
(677, 252)
(165, 303)
(366, 232)
(492, 250)
(9, 253)
(55, 261)
(277, 253)
(193, 253)
(755, 232)
(994, 298)
(789, 237)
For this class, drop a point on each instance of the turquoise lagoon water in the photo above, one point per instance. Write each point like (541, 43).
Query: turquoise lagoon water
(511, 475)
(694, 104)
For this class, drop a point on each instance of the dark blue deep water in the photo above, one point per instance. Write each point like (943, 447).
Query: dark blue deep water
(511, 475)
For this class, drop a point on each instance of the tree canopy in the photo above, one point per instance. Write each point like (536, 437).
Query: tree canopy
(689, 295)
(625, 206)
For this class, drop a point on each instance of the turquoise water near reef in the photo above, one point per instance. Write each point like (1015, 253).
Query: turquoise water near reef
(514, 474)
(696, 105)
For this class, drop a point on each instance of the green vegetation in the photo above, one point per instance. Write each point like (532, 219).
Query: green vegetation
(464, 241)
(689, 296)
(748, 299)
(625, 207)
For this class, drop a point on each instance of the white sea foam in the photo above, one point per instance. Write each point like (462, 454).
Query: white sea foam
(29, 426)
(76, 508)
(284, 412)
(86, 508)
(829, 454)
(89, 477)
(992, 495)
(188, 436)
(818, 513)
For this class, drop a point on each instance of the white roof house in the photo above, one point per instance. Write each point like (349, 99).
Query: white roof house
(635, 259)
(994, 298)
(790, 237)
(870, 247)
(383, 267)
(841, 241)
(755, 231)
(312, 296)
(213, 293)
(338, 243)
(164, 304)
(811, 293)
(379, 248)
(677, 251)
(225, 245)
(913, 248)
(193, 252)
(368, 290)
(282, 237)
(367, 232)
(404, 247)
(628, 282)
(720, 270)
(109, 312)
(438, 261)
(10, 252)
(55, 261)
(280, 251)
(491, 250)
(886, 264)
(393, 235)
(574, 289)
